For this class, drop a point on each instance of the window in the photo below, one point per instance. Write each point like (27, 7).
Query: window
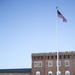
(59, 63)
(67, 73)
(60, 57)
(67, 63)
(59, 73)
(52, 57)
(37, 73)
(50, 73)
(48, 57)
(50, 64)
(37, 64)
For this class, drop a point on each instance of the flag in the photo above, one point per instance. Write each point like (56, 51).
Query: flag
(61, 16)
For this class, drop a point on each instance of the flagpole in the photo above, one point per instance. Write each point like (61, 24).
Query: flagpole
(57, 41)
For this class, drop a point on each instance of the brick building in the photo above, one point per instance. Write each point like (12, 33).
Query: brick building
(46, 63)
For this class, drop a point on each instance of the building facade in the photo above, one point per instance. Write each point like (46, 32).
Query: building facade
(46, 63)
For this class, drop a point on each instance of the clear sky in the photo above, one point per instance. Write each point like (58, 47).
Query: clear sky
(29, 26)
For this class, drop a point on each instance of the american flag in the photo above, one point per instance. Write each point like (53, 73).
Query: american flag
(61, 16)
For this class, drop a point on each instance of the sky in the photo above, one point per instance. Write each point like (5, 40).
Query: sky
(29, 26)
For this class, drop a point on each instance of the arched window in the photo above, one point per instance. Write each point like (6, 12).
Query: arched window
(60, 57)
(37, 73)
(67, 73)
(50, 73)
(64, 56)
(52, 57)
(59, 73)
(68, 56)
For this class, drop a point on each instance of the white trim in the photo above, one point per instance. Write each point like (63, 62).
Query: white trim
(50, 64)
(37, 63)
(40, 64)
(68, 63)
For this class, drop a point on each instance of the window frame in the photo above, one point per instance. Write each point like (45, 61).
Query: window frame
(67, 61)
(58, 63)
(67, 72)
(50, 63)
(37, 63)
(50, 72)
(59, 73)
(38, 73)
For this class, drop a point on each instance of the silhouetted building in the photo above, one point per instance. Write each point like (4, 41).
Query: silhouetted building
(15, 71)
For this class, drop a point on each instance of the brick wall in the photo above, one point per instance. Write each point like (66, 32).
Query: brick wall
(45, 57)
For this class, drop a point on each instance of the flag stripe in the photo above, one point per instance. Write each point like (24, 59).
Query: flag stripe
(61, 16)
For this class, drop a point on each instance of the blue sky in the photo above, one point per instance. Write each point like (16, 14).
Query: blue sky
(29, 26)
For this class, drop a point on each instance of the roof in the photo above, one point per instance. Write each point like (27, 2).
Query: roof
(28, 70)
(53, 53)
